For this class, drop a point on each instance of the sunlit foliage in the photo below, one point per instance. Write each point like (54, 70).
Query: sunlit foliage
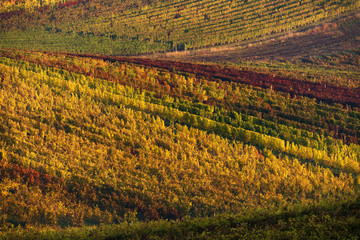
(140, 27)
(85, 142)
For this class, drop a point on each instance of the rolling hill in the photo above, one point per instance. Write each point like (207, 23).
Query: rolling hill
(336, 34)
(179, 119)
(128, 28)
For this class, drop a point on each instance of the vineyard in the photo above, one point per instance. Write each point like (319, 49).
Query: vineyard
(320, 91)
(117, 28)
(179, 119)
(30, 5)
(89, 140)
(331, 35)
(336, 222)
(327, 53)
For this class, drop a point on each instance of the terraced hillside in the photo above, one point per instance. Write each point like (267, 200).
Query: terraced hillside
(117, 28)
(88, 141)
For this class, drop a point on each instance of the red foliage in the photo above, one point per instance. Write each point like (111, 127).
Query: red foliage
(7, 15)
(267, 113)
(27, 175)
(78, 189)
(321, 91)
(71, 3)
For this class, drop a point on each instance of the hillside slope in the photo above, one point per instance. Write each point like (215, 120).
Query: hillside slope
(107, 142)
(326, 221)
(324, 53)
(118, 28)
(265, 145)
(332, 35)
